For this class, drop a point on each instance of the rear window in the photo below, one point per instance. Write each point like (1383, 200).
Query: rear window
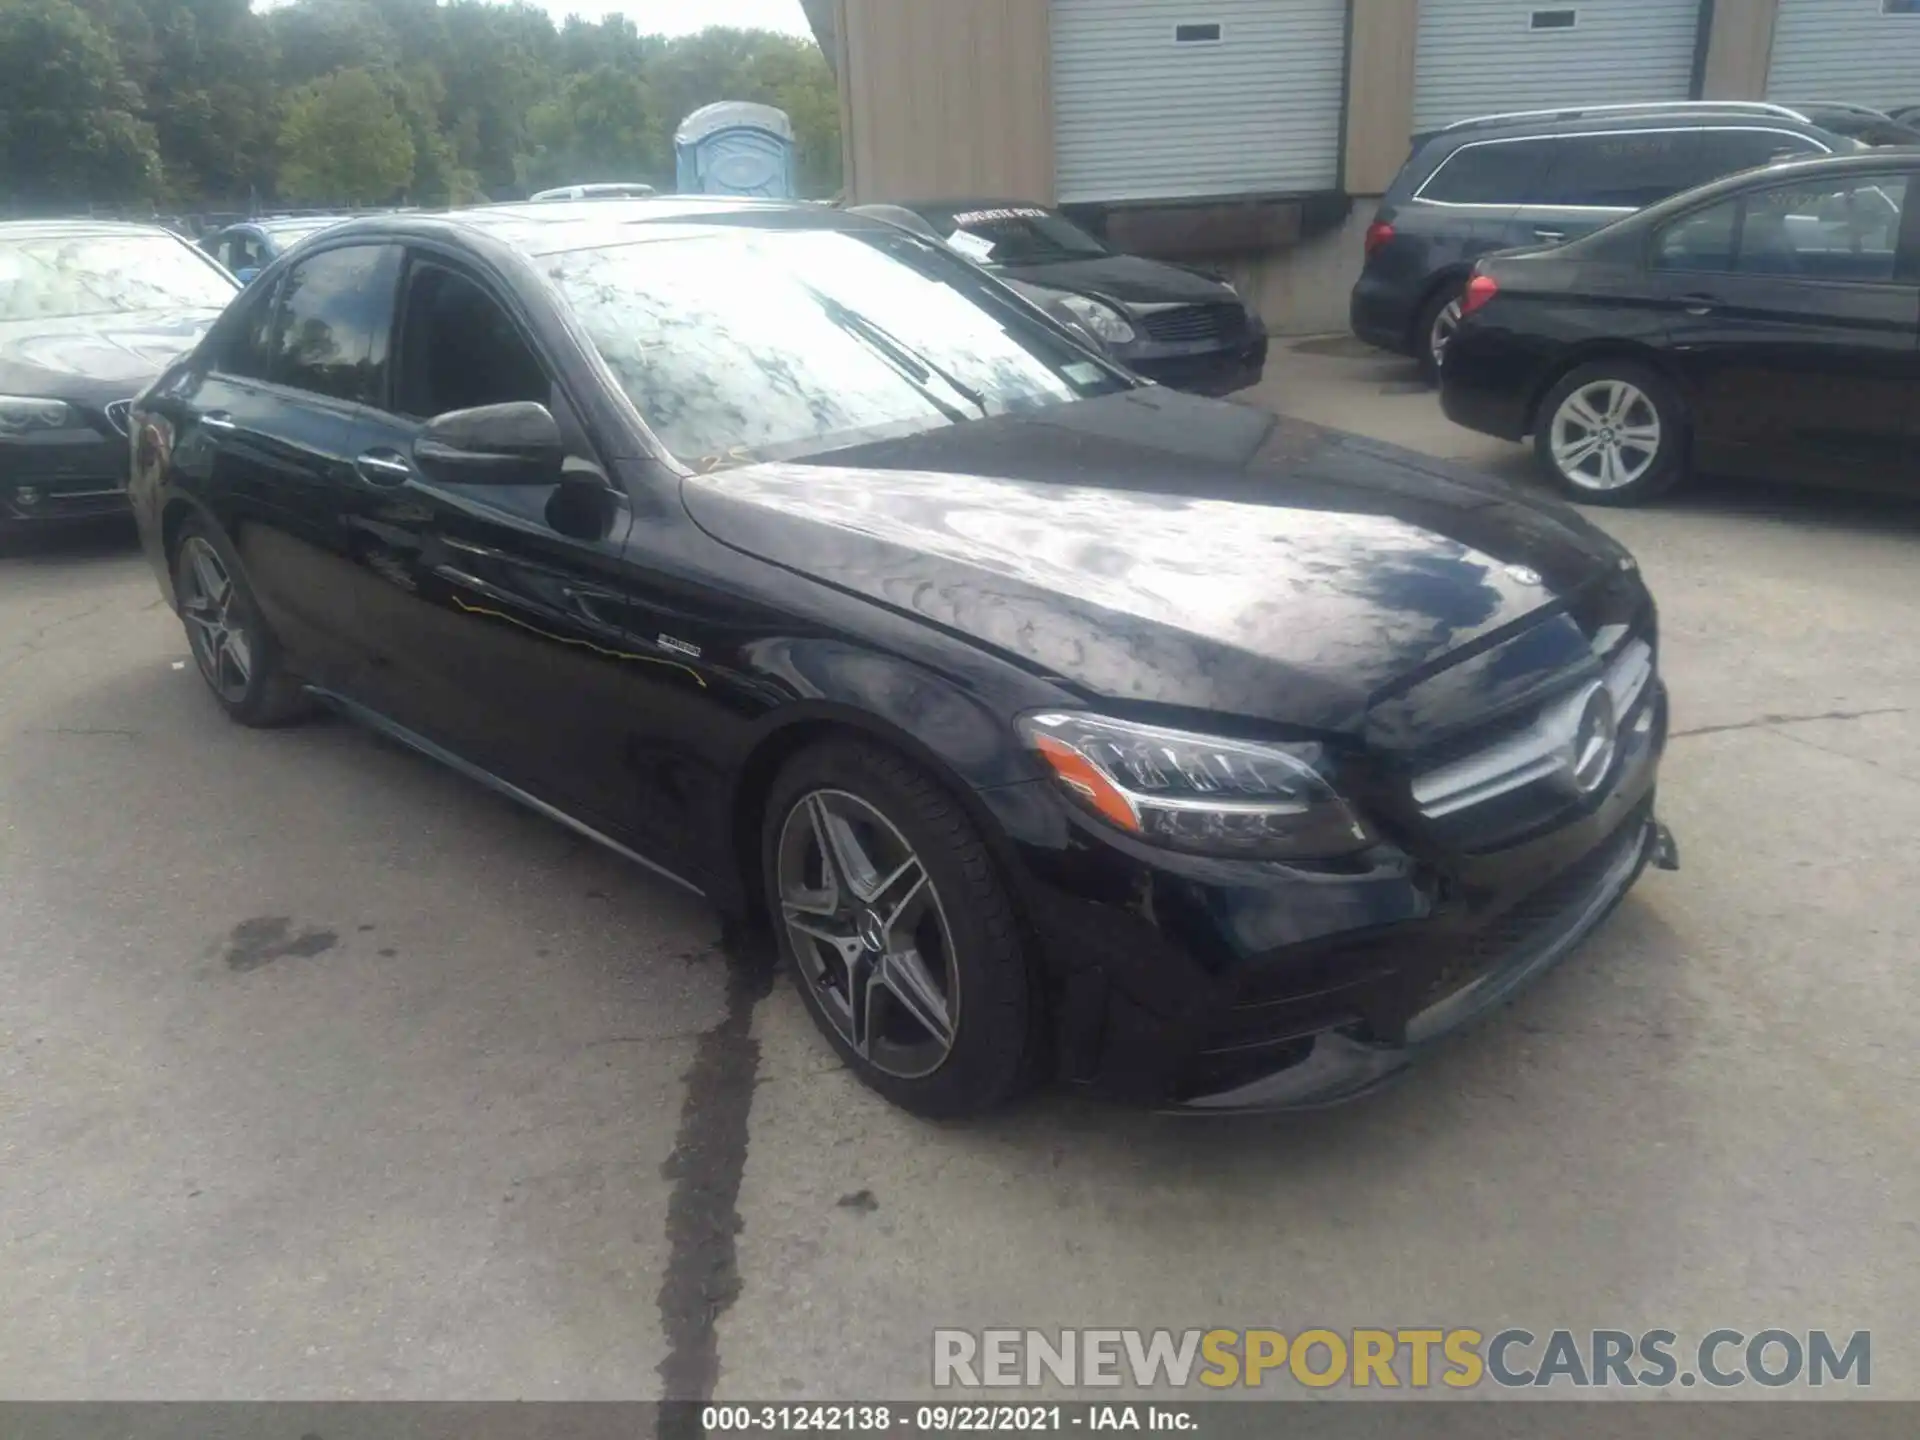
(1492, 172)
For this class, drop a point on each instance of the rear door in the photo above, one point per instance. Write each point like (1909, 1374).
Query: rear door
(1794, 309)
(279, 411)
(1593, 179)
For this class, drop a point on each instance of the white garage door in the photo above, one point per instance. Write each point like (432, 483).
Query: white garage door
(1864, 51)
(1478, 57)
(1163, 99)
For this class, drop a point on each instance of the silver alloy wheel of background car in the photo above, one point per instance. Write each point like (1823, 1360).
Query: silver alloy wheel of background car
(215, 627)
(866, 923)
(1445, 322)
(1605, 435)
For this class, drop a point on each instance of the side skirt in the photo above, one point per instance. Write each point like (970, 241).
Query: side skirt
(374, 720)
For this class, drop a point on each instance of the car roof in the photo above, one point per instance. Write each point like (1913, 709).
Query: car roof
(549, 226)
(76, 229)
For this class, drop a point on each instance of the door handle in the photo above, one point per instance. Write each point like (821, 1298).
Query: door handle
(1552, 237)
(1698, 304)
(383, 467)
(218, 422)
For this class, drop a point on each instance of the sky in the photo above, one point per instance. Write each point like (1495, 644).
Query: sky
(682, 17)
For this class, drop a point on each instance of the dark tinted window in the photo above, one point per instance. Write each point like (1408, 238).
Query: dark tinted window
(1723, 152)
(1703, 240)
(1495, 172)
(1824, 230)
(250, 343)
(1626, 169)
(459, 349)
(334, 314)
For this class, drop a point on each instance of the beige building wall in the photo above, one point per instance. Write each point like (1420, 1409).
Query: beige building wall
(1740, 47)
(1380, 56)
(946, 98)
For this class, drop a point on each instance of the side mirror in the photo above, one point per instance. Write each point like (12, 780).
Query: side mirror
(513, 444)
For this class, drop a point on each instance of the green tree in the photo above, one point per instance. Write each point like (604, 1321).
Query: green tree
(70, 124)
(601, 126)
(343, 143)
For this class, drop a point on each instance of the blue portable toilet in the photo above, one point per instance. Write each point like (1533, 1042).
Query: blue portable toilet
(734, 147)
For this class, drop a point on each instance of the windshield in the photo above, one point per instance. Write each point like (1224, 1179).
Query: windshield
(106, 275)
(1019, 234)
(750, 344)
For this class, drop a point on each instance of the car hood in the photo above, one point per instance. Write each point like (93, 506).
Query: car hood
(82, 354)
(1159, 548)
(1127, 278)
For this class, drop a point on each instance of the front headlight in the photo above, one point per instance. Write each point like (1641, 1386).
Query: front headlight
(1200, 793)
(1099, 317)
(21, 413)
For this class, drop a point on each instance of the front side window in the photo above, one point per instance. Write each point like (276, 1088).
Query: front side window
(1497, 172)
(742, 344)
(459, 350)
(247, 350)
(335, 311)
(60, 278)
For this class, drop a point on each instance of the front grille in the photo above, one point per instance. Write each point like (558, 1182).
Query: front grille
(119, 413)
(1189, 324)
(1544, 748)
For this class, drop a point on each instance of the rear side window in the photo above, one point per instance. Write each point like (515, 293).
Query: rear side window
(1493, 172)
(335, 312)
(1704, 240)
(1825, 231)
(1623, 171)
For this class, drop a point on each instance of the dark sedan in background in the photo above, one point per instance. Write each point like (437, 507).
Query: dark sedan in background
(1541, 178)
(1767, 325)
(1057, 724)
(90, 312)
(1181, 327)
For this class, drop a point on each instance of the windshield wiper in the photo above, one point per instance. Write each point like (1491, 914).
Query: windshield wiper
(915, 367)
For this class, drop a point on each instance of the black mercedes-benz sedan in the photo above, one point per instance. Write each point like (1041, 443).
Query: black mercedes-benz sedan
(1177, 326)
(1767, 325)
(1057, 724)
(90, 312)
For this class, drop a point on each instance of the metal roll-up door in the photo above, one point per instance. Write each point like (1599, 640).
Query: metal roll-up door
(1866, 52)
(1478, 57)
(1167, 99)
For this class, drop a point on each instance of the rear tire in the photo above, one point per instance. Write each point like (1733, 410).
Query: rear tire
(904, 947)
(1439, 318)
(1612, 432)
(233, 647)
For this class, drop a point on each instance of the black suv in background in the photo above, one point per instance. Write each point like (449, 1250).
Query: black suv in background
(1541, 178)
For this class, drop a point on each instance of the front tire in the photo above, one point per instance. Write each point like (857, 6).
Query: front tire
(1612, 433)
(234, 649)
(898, 931)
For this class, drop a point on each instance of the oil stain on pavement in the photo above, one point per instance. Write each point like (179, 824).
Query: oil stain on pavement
(269, 938)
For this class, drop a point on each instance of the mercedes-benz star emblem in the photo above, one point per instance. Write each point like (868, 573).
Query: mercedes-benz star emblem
(1523, 574)
(1595, 739)
(873, 932)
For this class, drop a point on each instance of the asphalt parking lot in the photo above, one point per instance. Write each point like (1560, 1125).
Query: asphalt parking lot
(324, 1073)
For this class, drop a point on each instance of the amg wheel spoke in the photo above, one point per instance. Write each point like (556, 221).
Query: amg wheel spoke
(905, 976)
(240, 653)
(840, 852)
(899, 892)
(1572, 454)
(209, 577)
(1641, 437)
(1584, 413)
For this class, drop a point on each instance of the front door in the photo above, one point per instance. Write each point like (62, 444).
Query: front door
(1795, 311)
(493, 614)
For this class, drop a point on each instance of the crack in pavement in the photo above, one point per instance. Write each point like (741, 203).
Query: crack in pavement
(31, 644)
(703, 1219)
(1847, 755)
(1766, 720)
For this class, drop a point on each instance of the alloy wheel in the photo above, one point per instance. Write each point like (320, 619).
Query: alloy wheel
(866, 922)
(1444, 325)
(1605, 435)
(216, 625)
